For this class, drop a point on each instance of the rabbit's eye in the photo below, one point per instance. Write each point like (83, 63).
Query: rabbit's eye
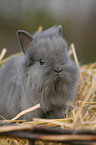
(41, 61)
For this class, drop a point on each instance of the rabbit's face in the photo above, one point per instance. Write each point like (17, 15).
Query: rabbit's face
(49, 55)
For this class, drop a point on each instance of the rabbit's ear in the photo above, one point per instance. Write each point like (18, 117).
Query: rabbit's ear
(25, 40)
(59, 30)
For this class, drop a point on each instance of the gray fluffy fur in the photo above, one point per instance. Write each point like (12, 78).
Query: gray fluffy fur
(24, 82)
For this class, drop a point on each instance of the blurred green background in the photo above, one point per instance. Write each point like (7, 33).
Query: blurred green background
(77, 17)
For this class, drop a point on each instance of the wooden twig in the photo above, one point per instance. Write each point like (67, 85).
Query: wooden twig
(67, 137)
(15, 127)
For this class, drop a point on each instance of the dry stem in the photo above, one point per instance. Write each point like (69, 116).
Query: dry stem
(22, 113)
(3, 53)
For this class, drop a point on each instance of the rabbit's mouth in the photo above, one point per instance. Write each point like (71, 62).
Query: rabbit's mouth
(58, 77)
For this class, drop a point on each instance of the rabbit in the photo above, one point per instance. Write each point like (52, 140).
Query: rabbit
(44, 74)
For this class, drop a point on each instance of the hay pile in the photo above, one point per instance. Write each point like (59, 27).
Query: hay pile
(83, 114)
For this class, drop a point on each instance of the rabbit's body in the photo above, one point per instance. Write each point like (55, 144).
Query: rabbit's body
(45, 75)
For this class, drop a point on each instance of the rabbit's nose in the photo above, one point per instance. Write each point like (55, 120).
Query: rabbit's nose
(58, 68)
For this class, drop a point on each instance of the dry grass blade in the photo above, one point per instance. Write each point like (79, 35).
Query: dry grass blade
(52, 121)
(22, 113)
(40, 28)
(74, 54)
(89, 103)
(3, 53)
(76, 59)
(26, 111)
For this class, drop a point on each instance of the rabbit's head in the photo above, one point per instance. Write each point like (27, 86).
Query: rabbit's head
(49, 71)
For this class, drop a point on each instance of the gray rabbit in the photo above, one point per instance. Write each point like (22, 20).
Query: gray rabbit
(44, 74)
